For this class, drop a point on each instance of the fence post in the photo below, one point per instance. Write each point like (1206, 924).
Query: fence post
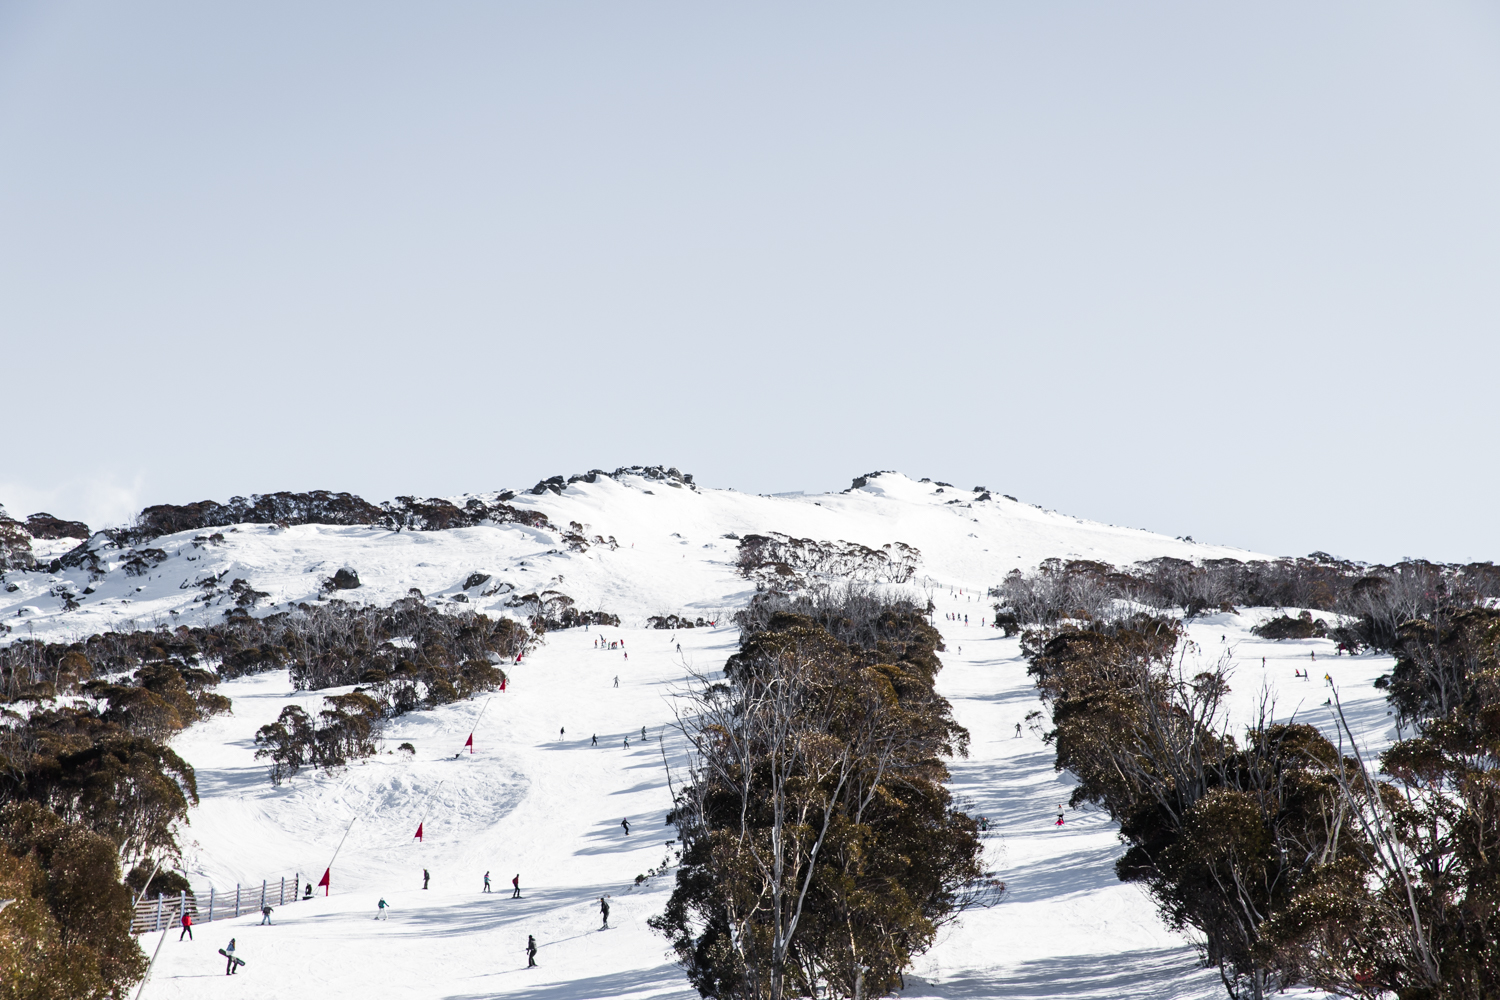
(210, 904)
(181, 905)
(236, 899)
(158, 912)
(262, 895)
(283, 892)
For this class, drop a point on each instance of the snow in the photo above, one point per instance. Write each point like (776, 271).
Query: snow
(548, 807)
(673, 556)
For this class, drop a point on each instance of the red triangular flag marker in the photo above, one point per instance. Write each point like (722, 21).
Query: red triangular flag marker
(470, 743)
(419, 830)
(325, 881)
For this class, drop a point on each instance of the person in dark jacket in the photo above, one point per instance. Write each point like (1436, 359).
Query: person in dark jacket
(530, 952)
(425, 877)
(229, 968)
(604, 909)
(626, 824)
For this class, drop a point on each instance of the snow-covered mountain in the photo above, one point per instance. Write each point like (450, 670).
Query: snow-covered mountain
(630, 545)
(540, 799)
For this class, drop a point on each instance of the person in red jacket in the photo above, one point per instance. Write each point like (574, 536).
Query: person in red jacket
(187, 925)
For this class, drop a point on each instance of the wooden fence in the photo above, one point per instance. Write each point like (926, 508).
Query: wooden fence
(163, 911)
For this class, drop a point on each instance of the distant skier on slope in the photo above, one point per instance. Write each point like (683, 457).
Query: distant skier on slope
(604, 909)
(1018, 730)
(187, 925)
(515, 884)
(425, 877)
(380, 909)
(626, 824)
(229, 969)
(486, 881)
(596, 740)
(265, 917)
(530, 952)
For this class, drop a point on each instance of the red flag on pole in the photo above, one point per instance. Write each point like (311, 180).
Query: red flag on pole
(325, 882)
(419, 830)
(502, 684)
(470, 743)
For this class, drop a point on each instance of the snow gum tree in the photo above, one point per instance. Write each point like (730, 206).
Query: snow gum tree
(821, 848)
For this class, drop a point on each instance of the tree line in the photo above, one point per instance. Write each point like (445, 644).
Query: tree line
(821, 849)
(1295, 858)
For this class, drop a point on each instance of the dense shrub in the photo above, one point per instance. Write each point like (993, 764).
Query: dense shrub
(778, 562)
(67, 935)
(1380, 598)
(822, 850)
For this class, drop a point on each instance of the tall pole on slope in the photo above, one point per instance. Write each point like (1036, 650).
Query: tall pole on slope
(327, 881)
(475, 727)
(427, 808)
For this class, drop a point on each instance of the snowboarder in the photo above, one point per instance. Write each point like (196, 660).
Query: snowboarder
(265, 916)
(425, 877)
(381, 907)
(560, 731)
(187, 925)
(643, 732)
(626, 824)
(486, 881)
(1018, 731)
(627, 743)
(1059, 820)
(530, 952)
(596, 740)
(515, 885)
(617, 680)
(604, 909)
(229, 954)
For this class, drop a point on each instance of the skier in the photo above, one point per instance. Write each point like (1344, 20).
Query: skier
(596, 740)
(229, 952)
(1059, 820)
(643, 733)
(627, 743)
(626, 824)
(560, 731)
(530, 952)
(425, 877)
(516, 886)
(617, 680)
(679, 647)
(265, 916)
(604, 909)
(381, 907)
(486, 881)
(187, 925)
(1018, 730)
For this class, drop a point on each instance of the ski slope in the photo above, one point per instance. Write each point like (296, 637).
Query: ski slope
(548, 807)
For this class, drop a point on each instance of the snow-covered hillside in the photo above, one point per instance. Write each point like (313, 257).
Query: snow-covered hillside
(537, 798)
(546, 804)
(673, 554)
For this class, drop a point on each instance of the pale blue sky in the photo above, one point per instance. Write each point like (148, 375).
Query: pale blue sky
(1220, 270)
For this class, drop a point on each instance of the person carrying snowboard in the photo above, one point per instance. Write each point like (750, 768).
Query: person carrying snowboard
(486, 881)
(516, 886)
(530, 952)
(229, 953)
(425, 877)
(626, 824)
(604, 909)
(187, 926)
(381, 907)
(265, 916)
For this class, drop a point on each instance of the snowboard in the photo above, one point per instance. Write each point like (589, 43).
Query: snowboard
(237, 961)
